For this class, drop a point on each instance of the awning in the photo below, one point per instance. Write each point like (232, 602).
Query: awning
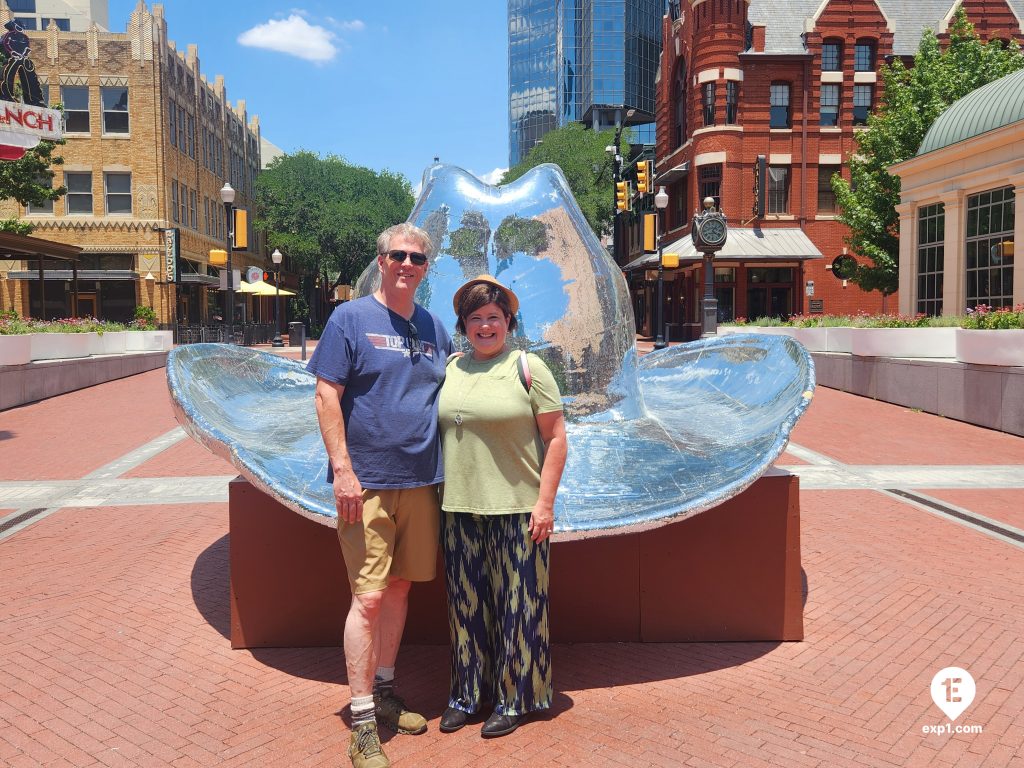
(67, 274)
(777, 244)
(260, 288)
(672, 175)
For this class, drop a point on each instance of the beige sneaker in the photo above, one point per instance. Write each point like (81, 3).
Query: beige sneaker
(364, 748)
(392, 714)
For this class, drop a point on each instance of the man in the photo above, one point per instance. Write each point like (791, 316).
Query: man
(379, 367)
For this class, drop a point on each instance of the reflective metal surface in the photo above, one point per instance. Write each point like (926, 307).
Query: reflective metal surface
(650, 440)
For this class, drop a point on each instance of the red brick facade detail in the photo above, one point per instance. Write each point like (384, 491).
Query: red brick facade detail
(712, 35)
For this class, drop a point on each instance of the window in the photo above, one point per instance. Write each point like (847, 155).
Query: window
(778, 189)
(826, 197)
(829, 104)
(990, 251)
(862, 97)
(732, 89)
(864, 56)
(680, 105)
(192, 136)
(26, 22)
(181, 128)
(183, 203)
(931, 247)
(206, 215)
(46, 206)
(115, 109)
(22, 6)
(779, 110)
(711, 183)
(76, 108)
(79, 195)
(193, 210)
(172, 129)
(831, 56)
(64, 25)
(119, 192)
(709, 103)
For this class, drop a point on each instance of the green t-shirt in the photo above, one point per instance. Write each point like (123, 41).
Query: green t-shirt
(489, 438)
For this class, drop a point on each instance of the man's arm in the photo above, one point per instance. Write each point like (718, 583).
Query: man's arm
(348, 493)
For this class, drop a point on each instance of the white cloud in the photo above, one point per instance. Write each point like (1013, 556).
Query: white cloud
(294, 36)
(355, 25)
(494, 176)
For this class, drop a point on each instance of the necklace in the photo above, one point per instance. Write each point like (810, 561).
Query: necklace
(458, 414)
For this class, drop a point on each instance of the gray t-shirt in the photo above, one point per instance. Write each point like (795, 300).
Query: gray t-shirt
(392, 371)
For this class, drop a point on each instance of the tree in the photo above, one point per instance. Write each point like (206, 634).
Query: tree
(913, 99)
(326, 214)
(581, 155)
(30, 182)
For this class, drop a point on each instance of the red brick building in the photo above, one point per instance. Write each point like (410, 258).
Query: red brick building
(791, 81)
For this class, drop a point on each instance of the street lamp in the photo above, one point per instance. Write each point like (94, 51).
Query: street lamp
(661, 203)
(277, 256)
(227, 196)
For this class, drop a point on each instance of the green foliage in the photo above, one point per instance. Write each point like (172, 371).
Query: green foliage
(27, 180)
(984, 317)
(325, 213)
(516, 235)
(145, 318)
(912, 100)
(578, 151)
(980, 317)
(16, 227)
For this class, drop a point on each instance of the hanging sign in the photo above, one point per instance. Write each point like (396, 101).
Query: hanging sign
(171, 254)
(23, 123)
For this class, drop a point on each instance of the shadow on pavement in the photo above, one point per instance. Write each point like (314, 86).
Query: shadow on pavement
(7, 435)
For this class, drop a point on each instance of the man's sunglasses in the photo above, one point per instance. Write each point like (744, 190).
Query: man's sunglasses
(417, 258)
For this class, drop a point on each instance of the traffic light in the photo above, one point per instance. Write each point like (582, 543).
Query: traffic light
(622, 195)
(643, 177)
(240, 230)
(266, 275)
(650, 235)
(218, 257)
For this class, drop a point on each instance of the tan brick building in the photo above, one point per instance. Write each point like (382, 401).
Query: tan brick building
(150, 143)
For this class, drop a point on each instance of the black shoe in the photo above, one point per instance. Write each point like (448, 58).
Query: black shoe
(452, 720)
(501, 725)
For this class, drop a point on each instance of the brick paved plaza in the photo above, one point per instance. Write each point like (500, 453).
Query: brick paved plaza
(114, 615)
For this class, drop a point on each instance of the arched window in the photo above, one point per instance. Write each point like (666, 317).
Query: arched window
(864, 55)
(679, 94)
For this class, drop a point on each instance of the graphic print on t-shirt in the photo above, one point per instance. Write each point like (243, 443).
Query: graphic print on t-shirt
(405, 345)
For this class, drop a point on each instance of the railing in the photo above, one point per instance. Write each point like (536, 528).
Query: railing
(245, 335)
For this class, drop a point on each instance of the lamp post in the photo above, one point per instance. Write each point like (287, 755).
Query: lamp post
(615, 151)
(227, 196)
(661, 203)
(277, 256)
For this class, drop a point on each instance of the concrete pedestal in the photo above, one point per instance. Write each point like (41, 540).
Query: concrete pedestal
(732, 573)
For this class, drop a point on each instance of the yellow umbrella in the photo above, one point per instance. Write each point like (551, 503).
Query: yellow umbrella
(260, 288)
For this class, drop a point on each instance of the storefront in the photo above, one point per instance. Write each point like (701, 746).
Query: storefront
(759, 273)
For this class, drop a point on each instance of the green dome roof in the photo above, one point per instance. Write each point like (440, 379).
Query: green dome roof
(991, 106)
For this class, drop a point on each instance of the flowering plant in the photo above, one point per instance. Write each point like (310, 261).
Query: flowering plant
(984, 317)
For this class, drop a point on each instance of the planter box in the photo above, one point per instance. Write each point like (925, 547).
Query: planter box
(148, 341)
(112, 343)
(16, 350)
(812, 338)
(839, 339)
(1002, 347)
(61, 346)
(904, 342)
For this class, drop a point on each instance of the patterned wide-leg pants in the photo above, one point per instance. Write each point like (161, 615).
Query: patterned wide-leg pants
(497, 580)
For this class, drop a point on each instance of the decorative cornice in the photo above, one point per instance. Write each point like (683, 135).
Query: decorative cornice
(61, 224)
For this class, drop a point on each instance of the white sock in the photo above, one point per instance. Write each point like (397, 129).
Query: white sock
(362, 710)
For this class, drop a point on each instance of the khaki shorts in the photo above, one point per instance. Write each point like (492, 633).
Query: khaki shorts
(398, 538)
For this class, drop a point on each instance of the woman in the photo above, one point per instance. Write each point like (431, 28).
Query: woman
(504, 447)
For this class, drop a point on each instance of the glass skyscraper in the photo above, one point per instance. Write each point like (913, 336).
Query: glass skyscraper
(581, 60)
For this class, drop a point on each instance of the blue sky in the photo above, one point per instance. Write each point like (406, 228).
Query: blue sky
(383, 84)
